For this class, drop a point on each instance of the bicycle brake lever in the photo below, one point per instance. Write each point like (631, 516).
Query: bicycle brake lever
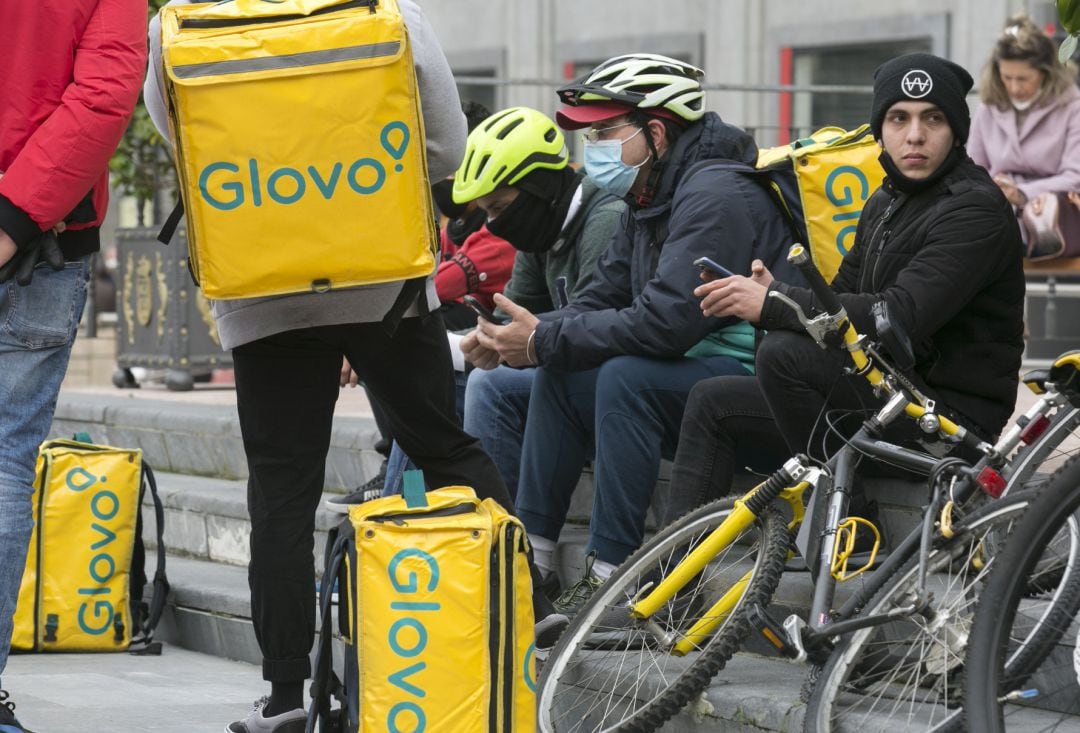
(818, 327)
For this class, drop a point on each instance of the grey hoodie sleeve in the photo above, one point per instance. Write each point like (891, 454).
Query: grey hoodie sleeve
(153, 87)
(444, 122)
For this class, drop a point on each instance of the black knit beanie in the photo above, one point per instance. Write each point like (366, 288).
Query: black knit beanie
(923, 77)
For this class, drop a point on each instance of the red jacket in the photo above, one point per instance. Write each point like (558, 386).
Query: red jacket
(70, 74)
(480, 267)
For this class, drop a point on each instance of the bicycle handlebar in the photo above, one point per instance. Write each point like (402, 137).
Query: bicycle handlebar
(800, 258)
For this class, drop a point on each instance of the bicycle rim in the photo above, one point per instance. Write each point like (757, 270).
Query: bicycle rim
(1023, 659)
(906, 674)
(609, 673)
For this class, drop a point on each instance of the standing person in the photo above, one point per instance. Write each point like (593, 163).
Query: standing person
(287, 353)
(69, 79)
(1027, 131)
(937, 243)
(617, 364)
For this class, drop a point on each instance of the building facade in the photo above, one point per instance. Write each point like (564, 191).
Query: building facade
(510, 52)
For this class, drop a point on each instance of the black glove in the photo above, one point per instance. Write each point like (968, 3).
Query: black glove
(45, 249)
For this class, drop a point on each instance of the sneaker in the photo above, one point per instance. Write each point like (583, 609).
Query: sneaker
(549, 629)
(551, 586)
(8, 721)
(372, 489)
(577, 595)
(293, 721)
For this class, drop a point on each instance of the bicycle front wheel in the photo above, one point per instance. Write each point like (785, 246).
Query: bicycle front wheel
(610, 672)
(906, 674)
(1022, 661)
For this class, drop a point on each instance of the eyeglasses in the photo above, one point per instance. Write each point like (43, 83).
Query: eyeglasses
(594, 135)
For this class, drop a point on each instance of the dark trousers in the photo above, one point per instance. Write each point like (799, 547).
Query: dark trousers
(816, 404)
(727, 426)
(286, 386)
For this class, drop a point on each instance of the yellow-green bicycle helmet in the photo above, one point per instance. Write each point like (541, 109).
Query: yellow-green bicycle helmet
(505, 148)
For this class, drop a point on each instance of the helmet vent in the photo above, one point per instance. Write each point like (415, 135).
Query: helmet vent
(509, 128)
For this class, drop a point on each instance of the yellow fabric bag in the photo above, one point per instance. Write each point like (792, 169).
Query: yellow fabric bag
(823, 182)
(76, 592)
(299, 145)
(436, 613)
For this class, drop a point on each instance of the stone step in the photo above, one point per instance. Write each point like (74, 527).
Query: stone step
(203, 439)
(207, 519)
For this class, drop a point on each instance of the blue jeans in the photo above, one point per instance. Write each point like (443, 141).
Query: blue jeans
(496, 404)
(37, 327)
(628, 411)
(397, 463)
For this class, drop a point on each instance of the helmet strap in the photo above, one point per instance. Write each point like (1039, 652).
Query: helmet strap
(653, 179)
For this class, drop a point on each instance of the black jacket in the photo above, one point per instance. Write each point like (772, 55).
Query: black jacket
(948, 262)
(641, 300)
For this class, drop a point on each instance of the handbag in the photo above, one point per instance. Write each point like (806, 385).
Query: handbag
(1051, 222)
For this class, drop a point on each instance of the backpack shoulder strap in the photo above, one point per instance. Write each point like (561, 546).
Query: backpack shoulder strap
(143, 641)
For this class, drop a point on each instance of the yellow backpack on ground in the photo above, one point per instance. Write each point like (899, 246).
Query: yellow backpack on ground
(82, 589)
(299, 145)
(435, 609)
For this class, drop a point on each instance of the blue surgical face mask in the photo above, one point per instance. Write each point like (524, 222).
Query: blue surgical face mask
(605, 167)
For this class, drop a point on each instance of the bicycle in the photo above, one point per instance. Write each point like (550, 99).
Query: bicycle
(1033, 592)
(683, 602)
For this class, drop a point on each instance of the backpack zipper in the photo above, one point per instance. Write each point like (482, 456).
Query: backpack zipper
(399, 518)
(197, 23)
(46, 463)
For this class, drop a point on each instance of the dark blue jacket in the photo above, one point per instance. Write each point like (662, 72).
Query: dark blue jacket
(641, 300)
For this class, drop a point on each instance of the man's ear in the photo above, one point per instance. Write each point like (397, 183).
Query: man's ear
(658, 132)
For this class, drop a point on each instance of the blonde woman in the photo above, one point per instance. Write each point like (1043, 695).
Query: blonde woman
(1027, 131)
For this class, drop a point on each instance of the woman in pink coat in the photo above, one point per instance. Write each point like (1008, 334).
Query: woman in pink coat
(1027, 131)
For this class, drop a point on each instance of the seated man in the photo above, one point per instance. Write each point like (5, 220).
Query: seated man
(937, 242)
(616, 365)
(560, 222)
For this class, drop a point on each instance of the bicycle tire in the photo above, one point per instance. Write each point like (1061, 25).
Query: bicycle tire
(912, 664)
(579, 691)
(1047, 534)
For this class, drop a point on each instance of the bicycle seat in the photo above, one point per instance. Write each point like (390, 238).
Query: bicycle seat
(1036, 380)
(1065, 374)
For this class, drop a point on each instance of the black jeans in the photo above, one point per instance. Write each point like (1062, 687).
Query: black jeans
(803, 384)
(727, 426)
(286, 387)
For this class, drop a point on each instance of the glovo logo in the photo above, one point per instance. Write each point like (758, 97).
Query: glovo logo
(95, 615)
(847, 186)
(408, 636)
(226, 186)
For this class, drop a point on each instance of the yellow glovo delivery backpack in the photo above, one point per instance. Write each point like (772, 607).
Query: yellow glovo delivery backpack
(82, 588)
(435, 612)
(821, 184)
(299, 145)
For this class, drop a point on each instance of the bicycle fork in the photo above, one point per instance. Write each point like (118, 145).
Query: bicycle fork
(746, 511)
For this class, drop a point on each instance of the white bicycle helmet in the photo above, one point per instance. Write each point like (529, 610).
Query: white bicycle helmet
(644, 81)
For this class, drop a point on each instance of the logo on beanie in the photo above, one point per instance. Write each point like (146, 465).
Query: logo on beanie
(916, 84)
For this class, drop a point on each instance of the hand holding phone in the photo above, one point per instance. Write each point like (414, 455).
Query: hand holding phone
(712, 269)
(481, 310)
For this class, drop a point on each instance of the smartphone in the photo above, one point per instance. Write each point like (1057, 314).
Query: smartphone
(712, 268)
(481, 310)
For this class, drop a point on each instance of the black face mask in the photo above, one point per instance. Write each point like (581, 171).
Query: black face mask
(529, 223)
(442, 193)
